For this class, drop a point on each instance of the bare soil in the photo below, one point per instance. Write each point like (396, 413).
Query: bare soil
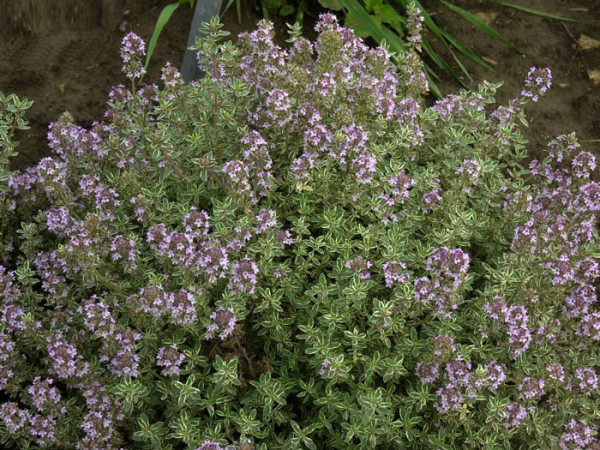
(67, 59)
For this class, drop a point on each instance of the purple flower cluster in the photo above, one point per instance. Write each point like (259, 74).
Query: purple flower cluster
(194, 250)
(588, 380)
(265, 220)
(432, 198)
(118, 350)
(448, 269)
(64, 360)
(171, 76)
(251, 175)
(579, 301)
(170, 359)
(537, 83)
(133, 49)
(326, 366)
(471, 170)
(8, 359)
(450, 399)
(443, 347)
(495, 375)
(393, 273)
(577, 435)
(12, 314)
(514, 320)
(531, 388)
(103, 415)
(179, 306)
(401, 184)
(514, 414)
(125, 249)
(43, 393)
(428, 373)
(360, 266)
(209, 445)
(17, 420)
(455, 106)
(556, 372)
(589, 326)
(243, 277)
(73, 143)
(223, 320)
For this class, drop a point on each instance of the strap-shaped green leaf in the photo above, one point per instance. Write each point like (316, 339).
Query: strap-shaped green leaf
(533, 11)
(164, 17)
(484, 26)
(369, 24)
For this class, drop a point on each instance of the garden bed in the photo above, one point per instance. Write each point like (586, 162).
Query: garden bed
(70, 65)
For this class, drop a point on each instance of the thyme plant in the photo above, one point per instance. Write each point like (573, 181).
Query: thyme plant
(295, 252)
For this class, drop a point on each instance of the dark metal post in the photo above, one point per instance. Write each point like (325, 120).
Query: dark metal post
(205, 10)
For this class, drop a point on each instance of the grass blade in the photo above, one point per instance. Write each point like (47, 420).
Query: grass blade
(441, 62)
(467, 52)
(460, 64)
(432, 86)
(533, 11)
(396, 45)
(484, 26)
(164, 17)
(229, 3)
(446, 38)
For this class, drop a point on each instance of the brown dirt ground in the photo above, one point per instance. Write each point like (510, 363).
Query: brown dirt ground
(72, 60)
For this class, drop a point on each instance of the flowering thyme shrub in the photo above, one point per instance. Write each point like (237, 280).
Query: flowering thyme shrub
(294, 252)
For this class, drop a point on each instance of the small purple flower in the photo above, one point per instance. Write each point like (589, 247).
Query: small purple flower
(450, 399)
(495, 374)
(537, 83)
(443, 346)
(169, 358)
(285, 237)
(360, 265)
(458, 372)
(577, 435)
(514, 414)
(209, 445)
(531, 388)
(556, 372)
(133, 49)
(326, 366)
(223, 320)
(243, 277)
(588, 380)
(13, 417)
(393, 275)
(428, 373)
(42, 393)
(265, 220)
(183, 308)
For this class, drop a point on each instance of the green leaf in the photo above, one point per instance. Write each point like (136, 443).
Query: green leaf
(467, 52)
(334, 5)
(484, 26)
(164, 17)
(370, 25)
(286, 10)
(535, 12)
